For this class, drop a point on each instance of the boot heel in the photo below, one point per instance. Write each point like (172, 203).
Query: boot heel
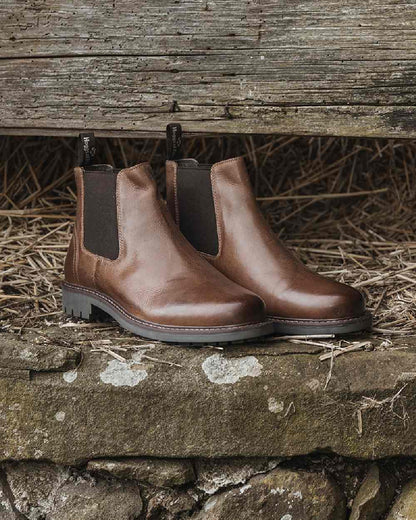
(75, 304)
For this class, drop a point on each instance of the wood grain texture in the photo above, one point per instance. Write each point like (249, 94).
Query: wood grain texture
(127, 68)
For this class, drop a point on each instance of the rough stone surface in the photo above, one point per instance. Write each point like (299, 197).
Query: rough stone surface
(49, 492)
(279, 410)
(169, 504)
(216, 474)
(281, 494)
(85, 500)
(299, 489)
(349, 475)
(405, 506)
(35, 486)
(375, 494)
(6, 507)
(19, 355)
(157, 472)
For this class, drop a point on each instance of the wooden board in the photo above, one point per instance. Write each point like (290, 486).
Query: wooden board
(125, 67)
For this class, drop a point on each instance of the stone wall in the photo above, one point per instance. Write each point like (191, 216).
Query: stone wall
(318, 488)
(258, 431)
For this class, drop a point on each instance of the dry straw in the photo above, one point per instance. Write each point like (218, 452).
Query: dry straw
(346, 206)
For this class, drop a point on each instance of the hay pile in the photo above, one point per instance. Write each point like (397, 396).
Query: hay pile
(347, 206)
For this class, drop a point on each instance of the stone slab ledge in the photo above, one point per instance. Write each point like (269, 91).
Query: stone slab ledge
(68, 405)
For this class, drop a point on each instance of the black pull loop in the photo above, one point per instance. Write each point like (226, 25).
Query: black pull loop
(86, 149)
(174, 141)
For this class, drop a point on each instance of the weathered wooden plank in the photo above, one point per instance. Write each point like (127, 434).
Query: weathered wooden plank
(122, 67)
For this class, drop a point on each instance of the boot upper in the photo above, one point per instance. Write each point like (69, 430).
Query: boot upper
(131, 250)
(247, 250)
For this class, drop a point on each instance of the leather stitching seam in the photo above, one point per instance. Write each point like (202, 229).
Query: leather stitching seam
(218, 219)
(333, 321)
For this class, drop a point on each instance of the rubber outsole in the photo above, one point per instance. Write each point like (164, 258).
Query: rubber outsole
(81, 302)
(287, 326)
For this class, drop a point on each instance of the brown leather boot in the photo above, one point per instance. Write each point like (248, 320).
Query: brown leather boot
(215, 209)
(128, 258)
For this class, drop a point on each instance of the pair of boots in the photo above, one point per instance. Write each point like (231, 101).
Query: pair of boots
(205, 268)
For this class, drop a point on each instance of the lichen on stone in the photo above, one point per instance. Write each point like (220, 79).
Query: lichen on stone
(225, 371)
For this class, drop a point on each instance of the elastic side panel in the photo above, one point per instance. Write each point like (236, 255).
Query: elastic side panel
(100, 213)
(196, 208)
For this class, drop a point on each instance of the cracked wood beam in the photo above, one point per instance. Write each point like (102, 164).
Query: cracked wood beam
(321, 67)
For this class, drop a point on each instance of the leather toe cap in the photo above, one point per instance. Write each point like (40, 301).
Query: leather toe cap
(240, 309)
(249, 308)
(319, 299)
(218, 308)
(345, 302)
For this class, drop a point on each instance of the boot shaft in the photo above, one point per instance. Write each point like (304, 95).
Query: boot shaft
(96, 201)
(103, 194)
(210, 201)
(190, 195)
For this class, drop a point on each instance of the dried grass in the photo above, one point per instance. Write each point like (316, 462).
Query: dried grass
(347, 206)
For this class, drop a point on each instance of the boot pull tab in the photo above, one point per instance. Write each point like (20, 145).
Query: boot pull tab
(174, 141)
(86, 149)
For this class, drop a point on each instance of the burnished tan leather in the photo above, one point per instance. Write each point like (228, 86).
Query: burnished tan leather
(158, 277)
(251, 255)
